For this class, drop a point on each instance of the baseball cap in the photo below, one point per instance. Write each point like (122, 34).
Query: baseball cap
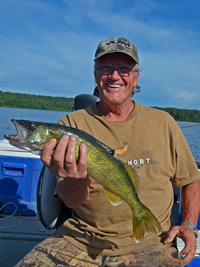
(117, 44)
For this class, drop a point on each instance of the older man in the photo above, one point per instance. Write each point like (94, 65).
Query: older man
(99, 234)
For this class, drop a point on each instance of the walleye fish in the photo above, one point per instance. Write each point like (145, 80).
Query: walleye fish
(119, 180)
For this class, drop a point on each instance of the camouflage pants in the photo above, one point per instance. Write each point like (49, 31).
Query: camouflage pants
(59, 252)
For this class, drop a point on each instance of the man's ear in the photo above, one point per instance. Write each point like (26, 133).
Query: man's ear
(95, 75)
(136, 80)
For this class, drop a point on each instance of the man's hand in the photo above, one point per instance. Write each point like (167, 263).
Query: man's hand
(186, 233)
(191, 208)
(73, 188)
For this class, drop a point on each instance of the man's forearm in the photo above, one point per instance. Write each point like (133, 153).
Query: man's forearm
(191, 202)
(73, 192)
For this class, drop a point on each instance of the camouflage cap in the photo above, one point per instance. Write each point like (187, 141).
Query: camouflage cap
(117, 44)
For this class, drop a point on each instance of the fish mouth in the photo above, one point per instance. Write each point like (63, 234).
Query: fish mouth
(20, 136)
(21, 139)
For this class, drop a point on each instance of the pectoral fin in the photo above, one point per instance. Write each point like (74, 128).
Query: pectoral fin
(114, 200)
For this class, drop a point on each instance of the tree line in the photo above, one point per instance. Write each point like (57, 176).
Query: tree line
(17, 100)
(29, 101)
(191, 115)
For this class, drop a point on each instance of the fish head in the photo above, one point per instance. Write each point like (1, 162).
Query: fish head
(31, 136)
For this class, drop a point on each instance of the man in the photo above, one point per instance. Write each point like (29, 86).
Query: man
(99, 234)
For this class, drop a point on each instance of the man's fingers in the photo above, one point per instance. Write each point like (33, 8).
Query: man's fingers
(82, 163)
(59, 154)
(188, 254)
(63, 161)
(47, 151)
(174, 231)
(71, 165)
(70, 156)
(189, 251)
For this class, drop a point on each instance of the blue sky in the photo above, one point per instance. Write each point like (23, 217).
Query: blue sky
(47, 46)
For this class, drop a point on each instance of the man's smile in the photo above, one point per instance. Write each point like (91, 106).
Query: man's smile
(114, 85)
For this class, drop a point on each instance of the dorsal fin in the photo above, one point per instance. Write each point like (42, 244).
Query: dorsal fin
(133, 176)
(110, 150)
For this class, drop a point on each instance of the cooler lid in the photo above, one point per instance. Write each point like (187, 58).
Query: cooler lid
(8, 150)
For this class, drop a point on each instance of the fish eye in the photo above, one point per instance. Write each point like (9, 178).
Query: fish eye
(30, 126)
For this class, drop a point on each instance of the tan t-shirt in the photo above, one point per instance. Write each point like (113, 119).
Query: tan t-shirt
(151, 142)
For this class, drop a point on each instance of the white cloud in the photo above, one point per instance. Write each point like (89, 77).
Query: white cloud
(186, 95)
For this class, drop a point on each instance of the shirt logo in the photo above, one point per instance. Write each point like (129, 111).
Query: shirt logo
(121, 151)
(135, 163)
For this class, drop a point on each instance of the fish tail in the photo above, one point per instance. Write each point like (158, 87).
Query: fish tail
(146, 222)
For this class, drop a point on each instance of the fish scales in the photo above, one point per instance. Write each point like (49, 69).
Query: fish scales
(108, 167)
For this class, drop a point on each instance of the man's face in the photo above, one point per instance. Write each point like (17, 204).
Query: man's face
(114, 88)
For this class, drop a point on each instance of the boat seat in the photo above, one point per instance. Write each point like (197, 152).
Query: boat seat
(51, 210)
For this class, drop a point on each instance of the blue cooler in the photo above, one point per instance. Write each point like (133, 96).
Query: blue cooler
(19, 175)
(194, 263)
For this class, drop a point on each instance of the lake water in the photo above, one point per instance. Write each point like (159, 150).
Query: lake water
(192, 134)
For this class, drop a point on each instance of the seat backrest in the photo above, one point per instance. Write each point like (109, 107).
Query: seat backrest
(84, 100)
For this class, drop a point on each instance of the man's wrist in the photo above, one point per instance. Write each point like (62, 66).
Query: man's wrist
(73, 192)
(196, 231)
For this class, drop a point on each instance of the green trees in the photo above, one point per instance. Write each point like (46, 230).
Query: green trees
(183, 114)
(17, 100)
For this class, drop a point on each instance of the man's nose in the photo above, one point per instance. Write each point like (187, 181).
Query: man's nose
(115, 74)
